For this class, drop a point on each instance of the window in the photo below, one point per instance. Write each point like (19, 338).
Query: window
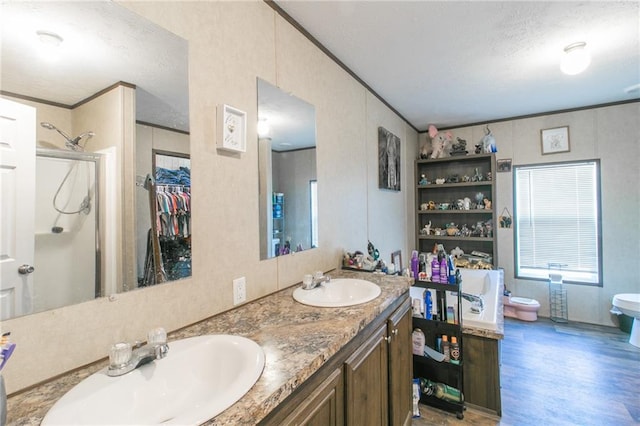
(557, 221)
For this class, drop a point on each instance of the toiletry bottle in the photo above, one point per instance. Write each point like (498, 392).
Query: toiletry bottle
(452, 272)
(454, 349)
(414, 264)
(440, 390)
(417, 338)
(422, 268)
(446, 350)
(444, 275)
(428, 304)
(450, 315)
(435, 270)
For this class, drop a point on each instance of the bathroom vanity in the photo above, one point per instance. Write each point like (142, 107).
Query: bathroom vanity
(323, 365)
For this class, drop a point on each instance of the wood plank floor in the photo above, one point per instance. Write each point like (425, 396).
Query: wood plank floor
(560, 374)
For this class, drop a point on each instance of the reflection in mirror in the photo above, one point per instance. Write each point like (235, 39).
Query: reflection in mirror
(167, 253)
(287, 170)
(107, 87)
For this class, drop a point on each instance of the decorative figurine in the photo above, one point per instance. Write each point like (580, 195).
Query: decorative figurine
(457, 252)
(373, 252)
(423, 180)
(459, 148)
(427, 229)
(440, 142)
(467, 203)
(489, 142)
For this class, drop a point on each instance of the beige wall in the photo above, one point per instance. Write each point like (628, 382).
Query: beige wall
(230, 44)
(611, 134)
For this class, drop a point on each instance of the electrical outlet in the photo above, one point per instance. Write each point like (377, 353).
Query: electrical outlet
(239, 290)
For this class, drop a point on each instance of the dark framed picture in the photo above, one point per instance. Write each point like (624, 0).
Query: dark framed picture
(504, 165)
(388, 160)
(555, 140)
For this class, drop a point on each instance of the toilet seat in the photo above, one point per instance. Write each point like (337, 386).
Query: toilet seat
(627, 301)
(524, 301)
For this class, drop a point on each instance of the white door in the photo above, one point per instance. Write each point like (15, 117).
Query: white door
(17, 199)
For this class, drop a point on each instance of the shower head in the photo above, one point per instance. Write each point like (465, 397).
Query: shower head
(73, 144)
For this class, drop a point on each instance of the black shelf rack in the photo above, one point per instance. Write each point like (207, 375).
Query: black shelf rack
(443, 372)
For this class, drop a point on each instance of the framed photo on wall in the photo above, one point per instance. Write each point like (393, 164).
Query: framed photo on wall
(388, 160)
(504, 165)
(555, 140)
(232, 129)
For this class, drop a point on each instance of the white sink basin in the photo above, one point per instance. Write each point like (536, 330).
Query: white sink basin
(338, 292)
(198, 379)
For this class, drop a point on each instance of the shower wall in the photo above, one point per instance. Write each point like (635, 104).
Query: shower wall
(65, 262)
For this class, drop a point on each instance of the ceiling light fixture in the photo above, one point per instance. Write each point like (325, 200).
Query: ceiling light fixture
(576, 58)
(49, 46)
(49, 38)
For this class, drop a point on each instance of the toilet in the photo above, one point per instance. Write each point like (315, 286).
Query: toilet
(520, 307)
(629, 304)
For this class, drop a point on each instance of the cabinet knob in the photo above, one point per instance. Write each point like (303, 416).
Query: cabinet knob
(394, 331)
(388, 339)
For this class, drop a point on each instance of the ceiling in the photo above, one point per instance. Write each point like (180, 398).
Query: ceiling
(103, 44)
(450, 63)
(434, 62)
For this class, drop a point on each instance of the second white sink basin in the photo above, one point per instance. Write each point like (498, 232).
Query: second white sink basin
(198, 379)
(338, 292)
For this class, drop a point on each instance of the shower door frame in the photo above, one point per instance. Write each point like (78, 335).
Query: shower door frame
(96, 159)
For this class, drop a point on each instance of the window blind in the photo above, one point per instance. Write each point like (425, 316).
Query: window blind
(557, 220)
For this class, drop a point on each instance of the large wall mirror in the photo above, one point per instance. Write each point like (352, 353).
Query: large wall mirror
(287, 170)
(110, 94)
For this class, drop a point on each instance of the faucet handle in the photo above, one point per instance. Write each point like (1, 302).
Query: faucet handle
(157, 336)
(119, 354)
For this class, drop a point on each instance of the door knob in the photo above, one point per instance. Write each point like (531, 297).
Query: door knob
(25, 269)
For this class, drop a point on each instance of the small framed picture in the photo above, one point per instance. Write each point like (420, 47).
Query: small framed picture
(232, 129)
(555, 140)
(396, 260)
(504, 165)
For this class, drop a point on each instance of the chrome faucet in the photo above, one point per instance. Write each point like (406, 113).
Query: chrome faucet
(477, 302)
(310, 282)
(124, 358)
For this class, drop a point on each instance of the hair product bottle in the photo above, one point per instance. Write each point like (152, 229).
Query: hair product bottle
(455, 350)
(446, 350)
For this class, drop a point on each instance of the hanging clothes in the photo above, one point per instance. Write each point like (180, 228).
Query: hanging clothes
(174, 210)
(173, 204)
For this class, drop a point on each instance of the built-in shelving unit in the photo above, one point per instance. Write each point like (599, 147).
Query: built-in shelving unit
(443, 204)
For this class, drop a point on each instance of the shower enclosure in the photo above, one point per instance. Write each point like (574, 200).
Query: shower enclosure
(67, 249)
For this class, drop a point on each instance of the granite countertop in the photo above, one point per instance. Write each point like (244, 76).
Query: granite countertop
(297, 341)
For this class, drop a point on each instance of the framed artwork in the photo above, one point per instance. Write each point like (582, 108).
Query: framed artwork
(232, 129)
(388, 160)
(504, 165)
(555, 140)
(396, 260)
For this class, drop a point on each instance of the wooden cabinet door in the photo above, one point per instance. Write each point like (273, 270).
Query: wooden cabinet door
(400, 366)
(366, 382)
(481, 369)
(324, 407)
